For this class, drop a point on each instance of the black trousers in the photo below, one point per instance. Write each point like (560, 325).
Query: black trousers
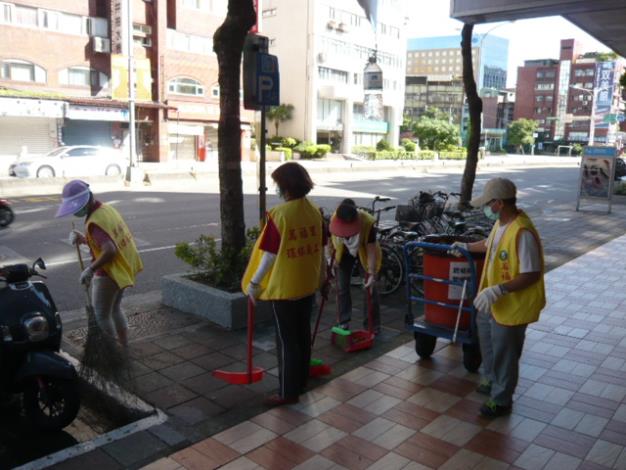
(292, 319)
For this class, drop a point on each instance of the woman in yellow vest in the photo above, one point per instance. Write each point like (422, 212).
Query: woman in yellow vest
(286, 268)
(115, 261)
(353, 236)
(511, 293)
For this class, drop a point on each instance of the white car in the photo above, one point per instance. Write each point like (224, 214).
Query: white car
(72, 160)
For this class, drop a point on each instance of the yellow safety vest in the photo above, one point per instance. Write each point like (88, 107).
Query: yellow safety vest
(296, 270)
(367, 222)
(520, 307)
(127, 262)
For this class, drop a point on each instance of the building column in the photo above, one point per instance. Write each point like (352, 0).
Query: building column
(348, 121)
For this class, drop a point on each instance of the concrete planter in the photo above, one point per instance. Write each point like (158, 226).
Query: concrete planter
(223, 308)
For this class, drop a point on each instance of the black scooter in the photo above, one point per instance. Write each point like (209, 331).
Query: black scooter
(6, 213)
(30, 339)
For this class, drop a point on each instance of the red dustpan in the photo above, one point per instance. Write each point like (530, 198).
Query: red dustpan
(357, 340)
(252, 374)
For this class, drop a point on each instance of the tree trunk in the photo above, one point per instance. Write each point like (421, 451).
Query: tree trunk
(228, 45)
(475, 105)
(277, 123)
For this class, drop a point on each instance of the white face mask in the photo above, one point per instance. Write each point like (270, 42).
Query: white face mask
(352, 243)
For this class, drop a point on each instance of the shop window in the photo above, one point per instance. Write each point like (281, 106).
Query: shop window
(186, 86)
(22, 71)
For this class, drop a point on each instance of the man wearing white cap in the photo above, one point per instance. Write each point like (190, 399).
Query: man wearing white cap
(511, 293)
(115, 262)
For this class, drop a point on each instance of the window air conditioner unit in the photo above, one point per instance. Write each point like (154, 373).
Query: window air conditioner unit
(332, 24)
(101, 44)
(342, 27)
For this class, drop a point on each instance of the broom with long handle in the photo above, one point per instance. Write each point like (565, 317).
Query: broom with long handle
(103, 359)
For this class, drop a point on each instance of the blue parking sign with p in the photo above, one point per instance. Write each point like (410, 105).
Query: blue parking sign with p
(267, 80)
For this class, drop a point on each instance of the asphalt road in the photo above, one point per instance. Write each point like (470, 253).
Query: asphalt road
(162, 217)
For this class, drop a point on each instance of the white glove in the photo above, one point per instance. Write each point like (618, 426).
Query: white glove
(86, 276)
(369, 283)
(487, 297)
(454, 250)
(75, 237)
(254, 291)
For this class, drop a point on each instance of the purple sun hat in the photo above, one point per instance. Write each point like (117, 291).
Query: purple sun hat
(75, 197)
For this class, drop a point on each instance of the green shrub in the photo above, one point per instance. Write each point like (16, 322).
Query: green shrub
(409, 145)
(426, 154)
(397, 154)
(383, 145)
(214, 266)
(289, 142)
(577, 149)
(454, 155)
(287, 151)
(310, 150)
(322, 150)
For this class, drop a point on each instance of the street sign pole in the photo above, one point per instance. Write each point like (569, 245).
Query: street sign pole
(262, 188)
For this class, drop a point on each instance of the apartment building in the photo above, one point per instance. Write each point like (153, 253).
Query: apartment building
(323, 48)
(559, 95)
(64, 69)
(443, 93)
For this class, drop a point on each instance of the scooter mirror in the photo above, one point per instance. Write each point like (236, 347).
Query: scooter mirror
(39, 263)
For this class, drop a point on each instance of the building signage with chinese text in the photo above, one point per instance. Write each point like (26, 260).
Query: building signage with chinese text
(25, 107)
(97, 113)
(119, 26)
(605, 78)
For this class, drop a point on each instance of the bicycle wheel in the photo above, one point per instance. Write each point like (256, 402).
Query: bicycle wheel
(417, 267)
(391, 271)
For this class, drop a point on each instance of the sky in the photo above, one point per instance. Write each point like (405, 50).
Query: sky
(528, 39)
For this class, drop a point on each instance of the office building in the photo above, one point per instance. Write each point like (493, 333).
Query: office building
(323, 48)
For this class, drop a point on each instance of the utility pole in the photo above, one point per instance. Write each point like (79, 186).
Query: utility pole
(132, 139)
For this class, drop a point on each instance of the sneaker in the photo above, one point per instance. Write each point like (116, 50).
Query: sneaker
(277, 400)
(484, 388)
(491, 409)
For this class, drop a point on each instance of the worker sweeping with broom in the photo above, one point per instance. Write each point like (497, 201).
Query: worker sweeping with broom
(114, 265)
(286, 268)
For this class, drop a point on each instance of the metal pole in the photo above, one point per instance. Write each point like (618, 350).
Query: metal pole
(131, 92)
(262, 188)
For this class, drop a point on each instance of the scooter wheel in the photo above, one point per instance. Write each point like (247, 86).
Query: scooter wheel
(6, 216)
(51, 403)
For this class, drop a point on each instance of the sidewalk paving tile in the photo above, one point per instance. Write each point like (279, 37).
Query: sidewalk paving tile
(385, 408)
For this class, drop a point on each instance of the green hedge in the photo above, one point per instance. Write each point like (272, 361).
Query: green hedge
(453, 155)
(311, 150)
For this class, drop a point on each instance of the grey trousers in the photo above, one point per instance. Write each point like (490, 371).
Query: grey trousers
(107, 299)
(344, 274)
(501, 348)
